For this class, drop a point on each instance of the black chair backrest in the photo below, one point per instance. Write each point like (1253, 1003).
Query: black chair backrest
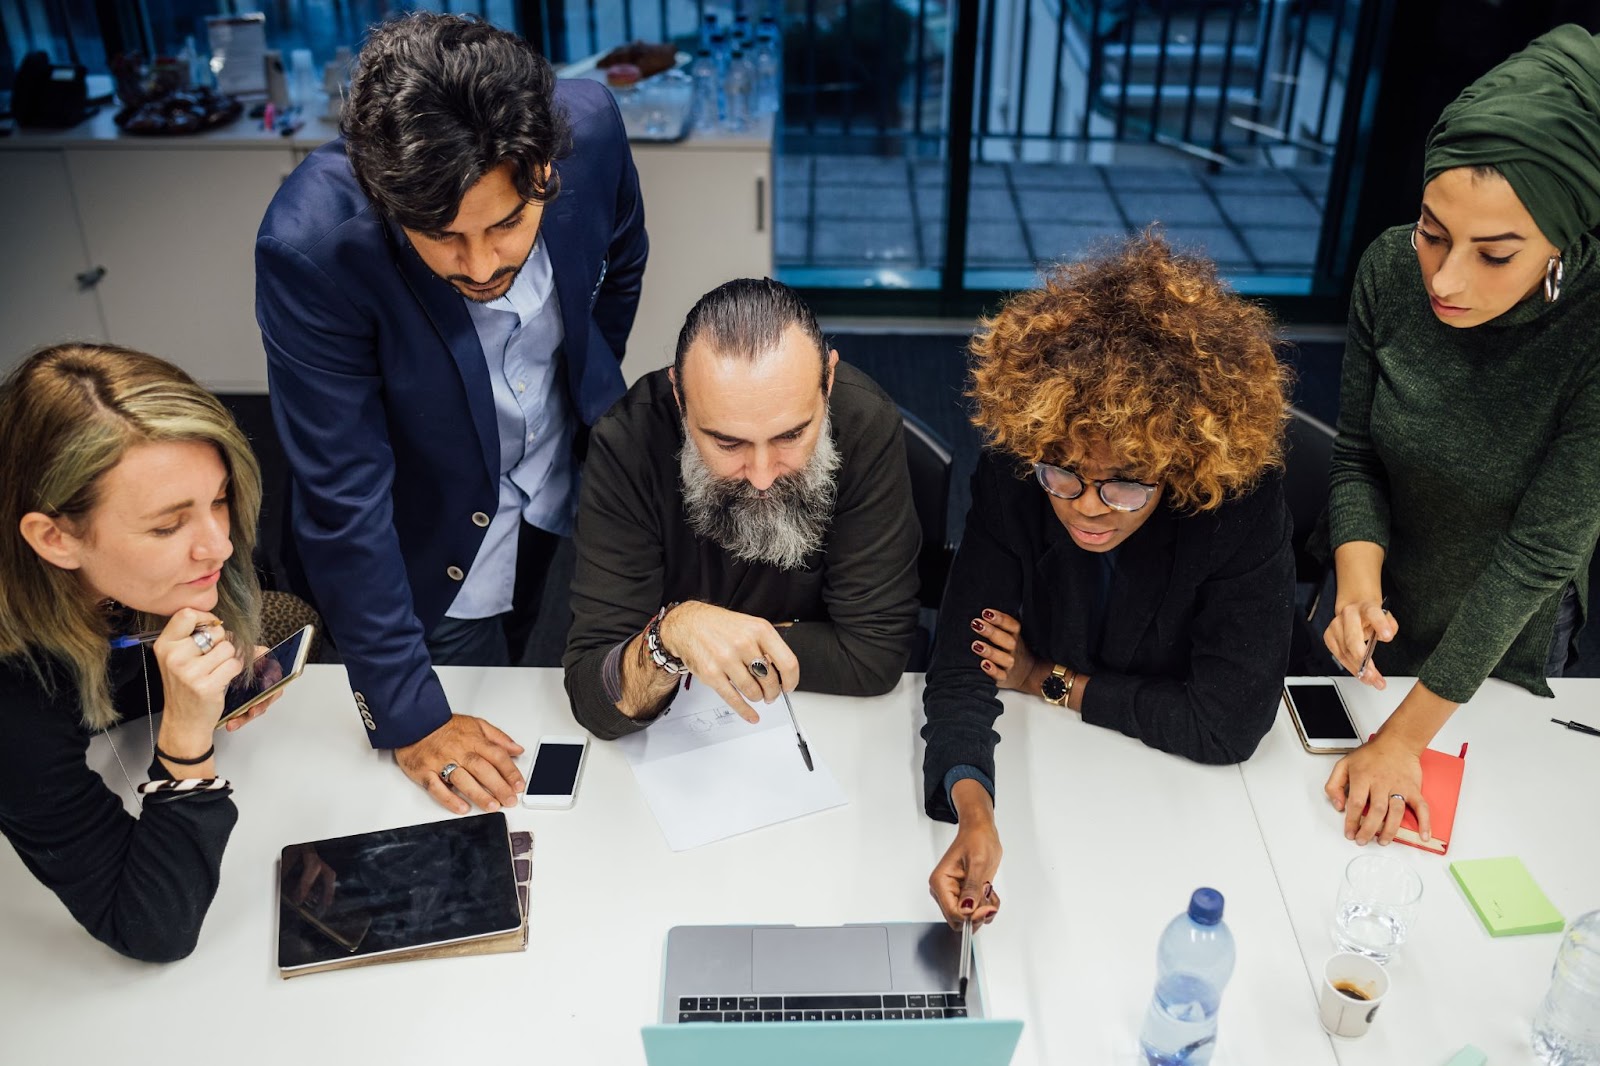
(1305, 484)
(929, 461)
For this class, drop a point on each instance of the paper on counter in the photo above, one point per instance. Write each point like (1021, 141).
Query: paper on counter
(708, 774)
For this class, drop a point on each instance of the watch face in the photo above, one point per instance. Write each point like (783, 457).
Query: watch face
(1054, 688)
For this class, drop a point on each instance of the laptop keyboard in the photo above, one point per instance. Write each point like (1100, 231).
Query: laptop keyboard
(851, 1008)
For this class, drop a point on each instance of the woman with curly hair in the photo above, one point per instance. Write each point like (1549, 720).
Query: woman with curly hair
(1127, 554)
(1465, 488)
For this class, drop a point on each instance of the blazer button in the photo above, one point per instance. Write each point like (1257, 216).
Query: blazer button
(480, 519)
(454, 573)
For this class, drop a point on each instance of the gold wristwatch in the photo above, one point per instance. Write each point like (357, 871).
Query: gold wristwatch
(1056, 688)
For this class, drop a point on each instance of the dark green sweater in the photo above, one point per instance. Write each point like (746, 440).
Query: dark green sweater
(1473, 457)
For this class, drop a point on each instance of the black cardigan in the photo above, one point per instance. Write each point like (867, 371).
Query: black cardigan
(140, 885)
(1196, 637)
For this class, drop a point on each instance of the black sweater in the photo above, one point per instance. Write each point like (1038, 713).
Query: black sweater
(141, 885)
(1196, 631)
(853, 604)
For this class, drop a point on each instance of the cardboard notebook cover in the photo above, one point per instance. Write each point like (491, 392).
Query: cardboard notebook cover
(499, 943)
(1441, 787)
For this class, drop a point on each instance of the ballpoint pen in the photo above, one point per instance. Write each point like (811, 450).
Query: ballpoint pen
(966, 955)
(759, 669)
(131, 640)
(1372, 645)
(1578, 727)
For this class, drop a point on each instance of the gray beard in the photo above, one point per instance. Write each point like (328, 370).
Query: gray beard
(781, 528)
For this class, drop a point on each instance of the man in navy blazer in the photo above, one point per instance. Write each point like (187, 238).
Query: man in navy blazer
(444, 294)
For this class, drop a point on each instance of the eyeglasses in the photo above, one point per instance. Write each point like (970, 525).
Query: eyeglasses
(1119, 494)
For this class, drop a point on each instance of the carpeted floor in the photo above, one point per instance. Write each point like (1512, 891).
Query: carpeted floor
(925, 373)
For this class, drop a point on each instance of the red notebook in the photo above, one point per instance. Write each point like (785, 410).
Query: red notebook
(1441, 787)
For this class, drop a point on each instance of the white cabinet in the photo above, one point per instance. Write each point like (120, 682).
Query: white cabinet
(708, 209)
(175, 230)
(42, 300)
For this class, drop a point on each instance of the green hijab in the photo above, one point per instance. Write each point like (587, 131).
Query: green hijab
(1536, 119)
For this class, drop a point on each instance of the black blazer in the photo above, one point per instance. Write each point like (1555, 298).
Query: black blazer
(1196, 636)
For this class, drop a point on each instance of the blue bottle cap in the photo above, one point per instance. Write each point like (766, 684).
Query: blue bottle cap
(1205, 906)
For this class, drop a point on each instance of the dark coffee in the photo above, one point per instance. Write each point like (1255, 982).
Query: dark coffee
(1351, 989)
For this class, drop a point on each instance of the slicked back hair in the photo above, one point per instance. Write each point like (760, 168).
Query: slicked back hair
(748, 317)
(439, 101)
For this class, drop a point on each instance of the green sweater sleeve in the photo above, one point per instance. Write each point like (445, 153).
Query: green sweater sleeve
(1358, 488)
(1551, 536)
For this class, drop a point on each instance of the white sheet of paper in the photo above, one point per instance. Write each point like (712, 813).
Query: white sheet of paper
(709, 775)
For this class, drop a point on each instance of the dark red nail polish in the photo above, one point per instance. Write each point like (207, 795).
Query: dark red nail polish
(977, 626)
(977, 646)
(989, 615)
(968, 904)
(986, 665)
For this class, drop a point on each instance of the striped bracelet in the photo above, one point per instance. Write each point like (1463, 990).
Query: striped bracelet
(190, 784)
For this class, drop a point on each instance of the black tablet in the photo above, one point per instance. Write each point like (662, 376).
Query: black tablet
(419, 886)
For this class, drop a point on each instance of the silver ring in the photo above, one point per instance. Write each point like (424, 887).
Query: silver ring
(202, 640)
(1397, 796)
(758, 667)
(449, 768)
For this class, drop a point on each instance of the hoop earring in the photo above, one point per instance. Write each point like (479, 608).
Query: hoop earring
(1554, 272)
(1413, 238)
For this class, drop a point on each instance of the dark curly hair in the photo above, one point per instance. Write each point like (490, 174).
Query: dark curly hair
(1147, 352)
(438, 101)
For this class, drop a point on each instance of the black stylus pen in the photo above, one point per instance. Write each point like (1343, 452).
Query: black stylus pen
(1579, 727)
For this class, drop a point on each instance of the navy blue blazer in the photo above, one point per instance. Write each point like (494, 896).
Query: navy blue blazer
(380, 393)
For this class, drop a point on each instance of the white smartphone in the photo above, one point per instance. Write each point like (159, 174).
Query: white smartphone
(553, 781)
(1320, 716)
(273, 669)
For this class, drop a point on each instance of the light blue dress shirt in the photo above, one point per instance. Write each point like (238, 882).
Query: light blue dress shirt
(521, 335)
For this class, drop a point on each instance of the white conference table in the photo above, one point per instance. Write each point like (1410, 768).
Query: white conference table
(1105, 839)
(1531, 789)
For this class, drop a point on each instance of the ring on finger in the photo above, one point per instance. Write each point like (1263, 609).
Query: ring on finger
(449, 768)
(758, 667)
(1398, 796)
(202, 640)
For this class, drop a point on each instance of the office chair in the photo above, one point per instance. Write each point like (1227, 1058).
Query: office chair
(929, 461)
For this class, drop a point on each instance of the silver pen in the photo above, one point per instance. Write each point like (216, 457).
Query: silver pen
(1372, 645)
(805, 752)
(966, 955)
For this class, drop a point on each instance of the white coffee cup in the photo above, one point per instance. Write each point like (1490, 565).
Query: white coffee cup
(1353, 987)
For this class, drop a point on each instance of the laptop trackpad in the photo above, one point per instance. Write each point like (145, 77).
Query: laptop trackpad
(821, 960)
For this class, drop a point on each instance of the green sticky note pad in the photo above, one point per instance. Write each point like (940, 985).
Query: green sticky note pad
(1505, 896)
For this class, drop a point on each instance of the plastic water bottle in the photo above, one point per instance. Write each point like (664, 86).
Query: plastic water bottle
(1566, 1030)
(707, 92)
(708, 29)
(767, 77)
(1194, 960)
(738, 88)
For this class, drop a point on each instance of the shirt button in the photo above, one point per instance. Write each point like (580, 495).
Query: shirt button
(521, 387)
(454, 573)
(480, 519)
(530, 438)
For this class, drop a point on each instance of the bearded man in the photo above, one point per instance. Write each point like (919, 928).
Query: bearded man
(746, 518)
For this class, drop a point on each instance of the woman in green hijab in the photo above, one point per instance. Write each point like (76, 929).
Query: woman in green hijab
(1465, 492)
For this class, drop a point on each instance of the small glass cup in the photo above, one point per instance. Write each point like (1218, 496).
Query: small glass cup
(1377, 906)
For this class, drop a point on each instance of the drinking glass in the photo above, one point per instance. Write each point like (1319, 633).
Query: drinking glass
(1377, 906)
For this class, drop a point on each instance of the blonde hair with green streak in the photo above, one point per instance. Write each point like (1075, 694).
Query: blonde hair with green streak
(68, 415)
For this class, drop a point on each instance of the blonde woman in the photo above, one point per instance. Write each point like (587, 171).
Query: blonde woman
(128, 503)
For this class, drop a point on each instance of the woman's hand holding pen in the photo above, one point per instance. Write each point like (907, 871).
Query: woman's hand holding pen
(963, 882)
(195, 673)
(1352, 635)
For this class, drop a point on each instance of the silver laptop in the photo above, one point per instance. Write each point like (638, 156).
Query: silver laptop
(787, 973)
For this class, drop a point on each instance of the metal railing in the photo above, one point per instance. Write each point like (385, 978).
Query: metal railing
(1222, 80)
